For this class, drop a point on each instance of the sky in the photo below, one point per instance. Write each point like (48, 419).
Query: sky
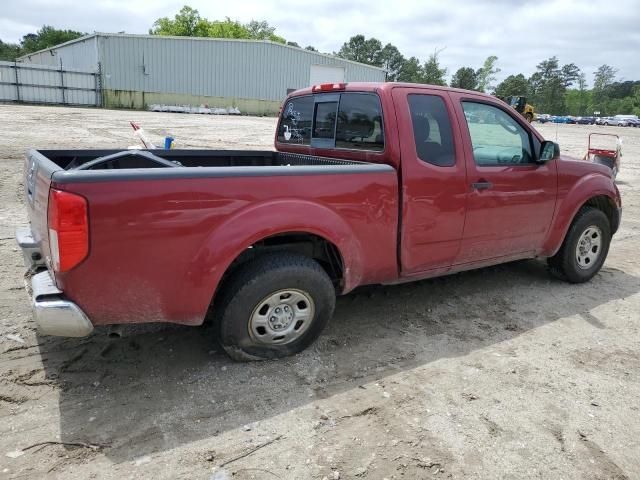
(521, 33)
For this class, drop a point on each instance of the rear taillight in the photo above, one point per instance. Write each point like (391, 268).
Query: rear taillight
(68, 229)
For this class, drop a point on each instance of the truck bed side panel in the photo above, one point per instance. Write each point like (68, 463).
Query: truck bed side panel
(158, 248)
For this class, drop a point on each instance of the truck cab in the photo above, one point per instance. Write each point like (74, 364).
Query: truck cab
(475, 186)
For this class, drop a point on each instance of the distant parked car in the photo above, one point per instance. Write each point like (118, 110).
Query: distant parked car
(630, 119)
(543, 117)
(614, 122)
(586, 120)
(634, 122)
(560, 119)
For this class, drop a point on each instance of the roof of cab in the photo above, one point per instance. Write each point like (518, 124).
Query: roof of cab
(384, 86)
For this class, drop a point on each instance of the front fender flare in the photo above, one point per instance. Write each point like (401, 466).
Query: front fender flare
(589, 186)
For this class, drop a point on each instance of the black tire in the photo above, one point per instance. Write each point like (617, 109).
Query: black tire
(529, 117)
(564, 264)
(247, 289)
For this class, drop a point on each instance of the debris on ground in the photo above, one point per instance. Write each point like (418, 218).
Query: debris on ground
(202, 109)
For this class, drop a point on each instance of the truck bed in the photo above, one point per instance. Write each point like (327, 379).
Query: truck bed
(162, 232)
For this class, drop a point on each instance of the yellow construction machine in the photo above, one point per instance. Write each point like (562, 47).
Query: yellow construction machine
(522, 107)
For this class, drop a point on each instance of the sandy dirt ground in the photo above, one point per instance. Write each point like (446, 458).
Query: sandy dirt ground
(497, 373)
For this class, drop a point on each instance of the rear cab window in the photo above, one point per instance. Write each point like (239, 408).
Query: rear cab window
(347, 120)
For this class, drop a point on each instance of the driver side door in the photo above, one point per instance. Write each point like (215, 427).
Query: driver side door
(511, 197)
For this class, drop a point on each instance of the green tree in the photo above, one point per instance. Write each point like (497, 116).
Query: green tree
(188, 23)
(602, 81)
(636, 100)
(9, 51)
(226, 28)
(513, 85)
(392, 61)
(578, 103)
(466, 78)
(534, 83)
(622, 89)
(570, 74)
(432, 72)
(411, 71)
(584, 96)
(487, 74)
(46, 37)
(311, 48)
(360, 49)
(261, 30)
(604, 77)
(547, 87)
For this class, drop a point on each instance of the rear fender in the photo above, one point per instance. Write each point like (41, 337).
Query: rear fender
(589, 186)
(259, 221)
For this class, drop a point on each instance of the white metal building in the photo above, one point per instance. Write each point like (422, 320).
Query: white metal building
(252, 75)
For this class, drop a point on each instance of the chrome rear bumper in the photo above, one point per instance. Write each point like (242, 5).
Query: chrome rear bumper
(53, 313)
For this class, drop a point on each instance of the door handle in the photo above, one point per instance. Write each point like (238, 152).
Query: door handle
(481, 185)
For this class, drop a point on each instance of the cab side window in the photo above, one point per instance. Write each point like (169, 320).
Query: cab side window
(432, 130)
(496, 137)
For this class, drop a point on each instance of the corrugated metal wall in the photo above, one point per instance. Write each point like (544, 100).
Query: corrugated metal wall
(47, 84)
(214, 67)
(79, 55)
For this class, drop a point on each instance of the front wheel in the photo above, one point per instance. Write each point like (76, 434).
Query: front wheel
(273, 307)
(585, 247)
(529, 117)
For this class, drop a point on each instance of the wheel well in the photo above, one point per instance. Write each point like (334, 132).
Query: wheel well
(307, 244)
(604, 203)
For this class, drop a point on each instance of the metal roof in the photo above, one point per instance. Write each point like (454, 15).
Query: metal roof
(203, 39)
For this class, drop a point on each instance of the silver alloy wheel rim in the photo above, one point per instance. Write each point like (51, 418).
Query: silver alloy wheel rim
(589, 247)
(281, 317)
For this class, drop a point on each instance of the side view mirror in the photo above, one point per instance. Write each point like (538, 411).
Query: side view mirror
(548, 151)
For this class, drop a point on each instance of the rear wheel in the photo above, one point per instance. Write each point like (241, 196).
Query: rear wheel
(585, 247)
(274, 306)
(529, 117)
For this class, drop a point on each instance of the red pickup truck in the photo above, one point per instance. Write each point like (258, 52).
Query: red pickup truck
(369, 184)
